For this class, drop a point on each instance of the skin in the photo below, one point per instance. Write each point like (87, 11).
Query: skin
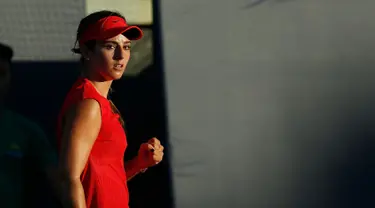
(81, 124)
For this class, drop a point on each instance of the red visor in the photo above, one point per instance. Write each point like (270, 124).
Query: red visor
(109, 27)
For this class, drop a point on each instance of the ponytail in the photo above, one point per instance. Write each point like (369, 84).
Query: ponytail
(115, 110)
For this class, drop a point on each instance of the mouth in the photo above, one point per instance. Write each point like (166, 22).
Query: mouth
(118, 66)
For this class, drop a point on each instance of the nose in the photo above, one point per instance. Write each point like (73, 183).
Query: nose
(119, 53)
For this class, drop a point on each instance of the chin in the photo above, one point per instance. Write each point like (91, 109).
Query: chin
(115, 75)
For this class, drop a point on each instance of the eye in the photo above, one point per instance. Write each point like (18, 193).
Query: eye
(127, 47)
(109, 46)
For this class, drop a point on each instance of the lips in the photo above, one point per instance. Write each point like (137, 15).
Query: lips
(118, 66)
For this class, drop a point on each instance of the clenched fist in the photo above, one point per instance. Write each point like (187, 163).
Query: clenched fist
(150, 153)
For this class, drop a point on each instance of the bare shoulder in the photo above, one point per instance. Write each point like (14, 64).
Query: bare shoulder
(87, 108)
(83, 114)
(81, 126)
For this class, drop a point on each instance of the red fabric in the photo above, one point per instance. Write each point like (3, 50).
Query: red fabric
(109, 27)
(104, 177)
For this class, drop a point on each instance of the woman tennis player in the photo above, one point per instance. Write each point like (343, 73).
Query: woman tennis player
(91, 137)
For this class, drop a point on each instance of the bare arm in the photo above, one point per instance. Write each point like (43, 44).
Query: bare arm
(80, 129)
(132, 168)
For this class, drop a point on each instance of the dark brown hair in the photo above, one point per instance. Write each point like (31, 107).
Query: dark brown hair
(83, 25)
(86, 22)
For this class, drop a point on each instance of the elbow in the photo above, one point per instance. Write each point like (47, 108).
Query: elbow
(66, 179)
(68, 184)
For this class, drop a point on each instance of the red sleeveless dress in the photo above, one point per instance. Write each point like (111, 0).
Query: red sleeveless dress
(104, 177)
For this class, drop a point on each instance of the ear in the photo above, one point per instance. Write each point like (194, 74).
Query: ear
(85, 52)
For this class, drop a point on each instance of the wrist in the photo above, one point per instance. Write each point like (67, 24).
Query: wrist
(141, 167)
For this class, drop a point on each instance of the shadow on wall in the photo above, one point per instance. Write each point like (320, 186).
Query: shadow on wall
(334, 154)
(352, 179)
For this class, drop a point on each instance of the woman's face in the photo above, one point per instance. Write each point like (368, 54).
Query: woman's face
(110, 57)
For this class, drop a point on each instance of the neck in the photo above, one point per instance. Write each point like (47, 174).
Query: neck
(101, 85)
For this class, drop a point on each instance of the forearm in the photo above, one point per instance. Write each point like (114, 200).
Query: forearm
(132, 168)
(73, 195)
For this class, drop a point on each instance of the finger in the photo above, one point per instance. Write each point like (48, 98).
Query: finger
(150, 147)
(154, 140)
(158, 158)
(156, 146)
(144, 146)
(159, 149)
(158, 154)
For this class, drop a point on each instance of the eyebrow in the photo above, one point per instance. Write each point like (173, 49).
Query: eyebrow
(115, 42)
